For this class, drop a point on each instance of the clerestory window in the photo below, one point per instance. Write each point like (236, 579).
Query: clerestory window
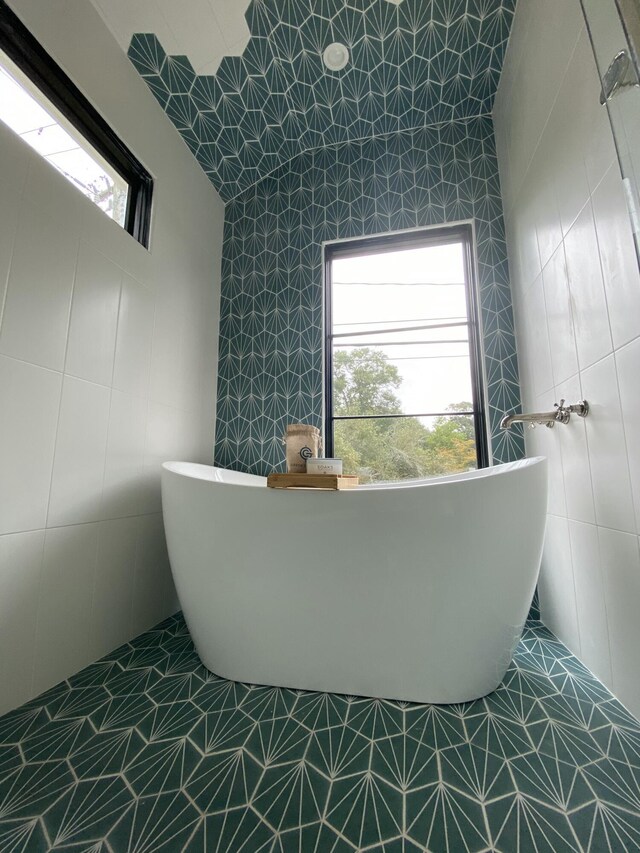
(43, 106)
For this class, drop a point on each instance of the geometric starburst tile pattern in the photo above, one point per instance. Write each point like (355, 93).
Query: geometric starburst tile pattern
(304, 154)
(412, 64)
(147, 751)
(271, 339)
(392, 141)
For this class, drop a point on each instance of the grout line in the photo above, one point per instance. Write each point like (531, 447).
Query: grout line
(82, 523)
(62, 387)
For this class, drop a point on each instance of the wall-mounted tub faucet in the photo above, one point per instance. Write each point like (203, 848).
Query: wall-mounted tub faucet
(561, 414)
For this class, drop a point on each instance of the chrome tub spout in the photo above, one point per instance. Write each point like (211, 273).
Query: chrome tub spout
(561, 414)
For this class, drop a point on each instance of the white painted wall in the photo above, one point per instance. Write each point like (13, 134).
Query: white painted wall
(202, 30)
(107, 367)
(576, 291)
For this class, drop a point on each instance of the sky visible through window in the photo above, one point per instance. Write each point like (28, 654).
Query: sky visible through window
(405, 289)
(48, 133)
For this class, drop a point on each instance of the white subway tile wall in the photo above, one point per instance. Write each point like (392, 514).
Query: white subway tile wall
(103, 375)
(576, 292)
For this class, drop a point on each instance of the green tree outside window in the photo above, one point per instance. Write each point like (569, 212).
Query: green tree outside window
(365, 383)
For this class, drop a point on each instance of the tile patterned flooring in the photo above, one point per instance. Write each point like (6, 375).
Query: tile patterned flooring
(146, 751)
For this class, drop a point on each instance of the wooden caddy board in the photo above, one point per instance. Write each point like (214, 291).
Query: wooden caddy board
(312, 481)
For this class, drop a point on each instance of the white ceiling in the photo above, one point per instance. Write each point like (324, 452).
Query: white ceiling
(202, 30)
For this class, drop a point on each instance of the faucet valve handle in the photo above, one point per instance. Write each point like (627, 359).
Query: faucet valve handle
(581, 409)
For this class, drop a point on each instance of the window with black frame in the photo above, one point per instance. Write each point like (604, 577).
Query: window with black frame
(404, 395)
(40, 103)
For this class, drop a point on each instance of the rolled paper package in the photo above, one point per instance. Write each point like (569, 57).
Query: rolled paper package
(302, 442)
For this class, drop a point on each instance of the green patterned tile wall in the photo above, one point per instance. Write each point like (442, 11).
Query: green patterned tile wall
(400, 138)
(270, 364)
(413, 64)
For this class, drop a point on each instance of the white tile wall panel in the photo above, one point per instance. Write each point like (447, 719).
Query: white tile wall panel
(590, 599)
(81, 444)
(35, 320)
(552, 131)
(76, 349)
(30, 399)
(64, 603)
(20, 577)
(94, 317)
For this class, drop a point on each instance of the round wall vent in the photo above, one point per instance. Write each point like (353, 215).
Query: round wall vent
(335, 56)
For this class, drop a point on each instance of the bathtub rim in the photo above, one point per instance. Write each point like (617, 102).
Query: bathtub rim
(229, 477)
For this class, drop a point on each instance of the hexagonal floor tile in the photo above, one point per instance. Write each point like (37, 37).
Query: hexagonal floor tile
(151, 759)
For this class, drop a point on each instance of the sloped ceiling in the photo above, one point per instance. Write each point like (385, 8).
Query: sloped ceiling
(413, 64)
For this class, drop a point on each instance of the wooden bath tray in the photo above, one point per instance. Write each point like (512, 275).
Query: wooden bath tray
(312, 481)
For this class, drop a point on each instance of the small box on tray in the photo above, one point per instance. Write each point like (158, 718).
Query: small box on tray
(317, 465)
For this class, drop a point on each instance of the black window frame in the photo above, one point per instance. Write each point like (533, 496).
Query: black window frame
(19, 44)
(459, 233)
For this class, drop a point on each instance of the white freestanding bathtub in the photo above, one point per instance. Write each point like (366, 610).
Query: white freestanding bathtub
(416, 590)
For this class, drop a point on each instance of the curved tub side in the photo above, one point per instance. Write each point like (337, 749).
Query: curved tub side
(415, 594)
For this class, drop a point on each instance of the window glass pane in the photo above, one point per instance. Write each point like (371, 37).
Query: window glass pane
(408, 377)
(400, 288)
(379, 449)
(26, 111)
(49, 139)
